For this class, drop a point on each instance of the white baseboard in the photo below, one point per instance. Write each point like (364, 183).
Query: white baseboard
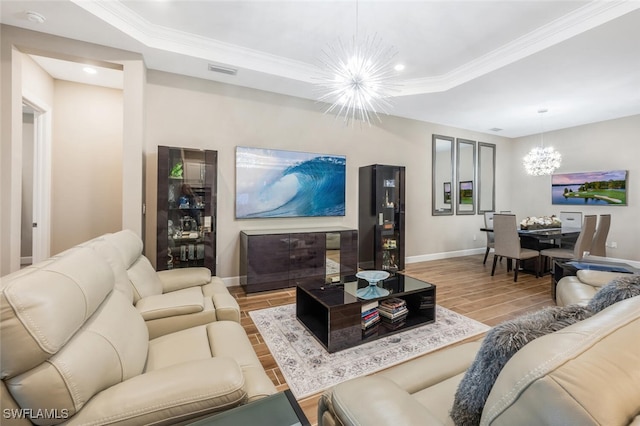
(231, 281)
(444, 255)
(26, 260)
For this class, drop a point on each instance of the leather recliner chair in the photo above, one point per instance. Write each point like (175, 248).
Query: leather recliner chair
(74, 349)
(175, 299)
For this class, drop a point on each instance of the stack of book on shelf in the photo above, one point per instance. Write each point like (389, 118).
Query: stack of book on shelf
(393, 312)
(370, 316)
(427, 301)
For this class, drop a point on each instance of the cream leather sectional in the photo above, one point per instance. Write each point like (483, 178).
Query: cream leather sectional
(580, 288)
(172, 300)
(75, 346)
(585, 374)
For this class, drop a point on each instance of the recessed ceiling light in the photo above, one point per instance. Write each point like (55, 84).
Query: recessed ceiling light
(399, 67)
(35, 17)
(496, 129)
(89, 70)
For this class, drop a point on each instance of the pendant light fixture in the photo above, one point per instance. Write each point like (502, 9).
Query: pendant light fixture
(357, 78)
(542, 160)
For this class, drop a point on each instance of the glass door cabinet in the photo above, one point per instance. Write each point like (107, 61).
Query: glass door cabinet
(381, 217)
(186, 234)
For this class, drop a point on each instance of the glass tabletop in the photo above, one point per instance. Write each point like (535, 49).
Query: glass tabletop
(396, 283)
(331, 295)
(280, 409)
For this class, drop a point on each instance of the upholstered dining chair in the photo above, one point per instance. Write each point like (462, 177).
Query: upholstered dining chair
(570, 220)
(488, 224)
(507, 244)
(599, 243)
(583, 243)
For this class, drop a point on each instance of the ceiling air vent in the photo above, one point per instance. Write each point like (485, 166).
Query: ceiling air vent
(223, 70)
(496, 129)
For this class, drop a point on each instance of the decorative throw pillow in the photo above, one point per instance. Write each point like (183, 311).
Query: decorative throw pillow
(499, 345)
(618, 289)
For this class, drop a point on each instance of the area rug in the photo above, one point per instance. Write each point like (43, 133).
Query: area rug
(308, 368)
(333, 267)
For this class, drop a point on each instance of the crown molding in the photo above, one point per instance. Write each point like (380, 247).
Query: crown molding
(159, 37)
(582, 19)
(118, 15)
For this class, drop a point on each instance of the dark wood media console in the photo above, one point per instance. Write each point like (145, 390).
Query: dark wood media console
(274, 259)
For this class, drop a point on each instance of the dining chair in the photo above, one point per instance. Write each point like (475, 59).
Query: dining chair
(599, 243)
(488, 224)
(507, 244)
(570, 220)
(583, 243)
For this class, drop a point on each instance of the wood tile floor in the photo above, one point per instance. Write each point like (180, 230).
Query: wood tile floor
(464, 285)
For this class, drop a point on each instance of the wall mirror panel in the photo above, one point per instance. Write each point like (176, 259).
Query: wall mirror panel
(465, 176)
(443, 190)
(332, 257)
(486, 177)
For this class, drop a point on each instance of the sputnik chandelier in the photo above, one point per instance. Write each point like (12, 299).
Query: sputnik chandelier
(542, 161)
(356, 79)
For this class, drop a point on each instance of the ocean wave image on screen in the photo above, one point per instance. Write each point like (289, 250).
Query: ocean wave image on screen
(313, 187)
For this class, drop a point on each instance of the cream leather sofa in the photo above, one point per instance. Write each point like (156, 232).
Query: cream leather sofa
(585, 374)
(74, 349)
(581, 288)
(175, 299)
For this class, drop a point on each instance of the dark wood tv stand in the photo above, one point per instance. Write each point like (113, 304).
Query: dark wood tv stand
(272, 259)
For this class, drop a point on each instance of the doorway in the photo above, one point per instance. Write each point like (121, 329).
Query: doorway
(26, 204)
(35, 232)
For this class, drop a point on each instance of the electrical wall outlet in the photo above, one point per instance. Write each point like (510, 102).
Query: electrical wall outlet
(474, 237)
(614, 244)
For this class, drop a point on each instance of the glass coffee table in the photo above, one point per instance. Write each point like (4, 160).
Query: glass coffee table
(333, 313)
(280, 409)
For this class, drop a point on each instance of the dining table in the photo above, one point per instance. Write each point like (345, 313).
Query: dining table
(539, 239)
(545, 238)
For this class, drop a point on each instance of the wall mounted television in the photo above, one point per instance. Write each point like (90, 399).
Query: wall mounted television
(276, 183)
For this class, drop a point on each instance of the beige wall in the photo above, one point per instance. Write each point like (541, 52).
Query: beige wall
(609, 145)
(193, 113)
(86, 163)
(11, 127)
(134, 147)
(10, 156)
(36, 82)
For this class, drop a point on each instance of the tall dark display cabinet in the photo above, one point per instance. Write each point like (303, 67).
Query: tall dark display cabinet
(187, 182)
(381, 219)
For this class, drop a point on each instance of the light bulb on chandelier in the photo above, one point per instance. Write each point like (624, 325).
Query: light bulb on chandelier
(357, 78)
(542, 160)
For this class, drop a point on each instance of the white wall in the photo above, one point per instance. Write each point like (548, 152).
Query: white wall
(193, 113)
(608, 145)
